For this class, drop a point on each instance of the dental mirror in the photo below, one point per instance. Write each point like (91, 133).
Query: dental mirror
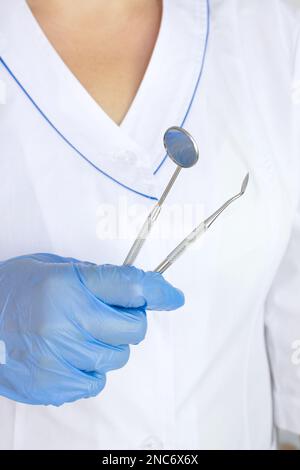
(183, 151)
(181, 147)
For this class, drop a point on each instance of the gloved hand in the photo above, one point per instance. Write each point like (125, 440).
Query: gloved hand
(65, 323)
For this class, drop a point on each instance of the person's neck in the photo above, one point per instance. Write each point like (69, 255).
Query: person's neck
(81, 11)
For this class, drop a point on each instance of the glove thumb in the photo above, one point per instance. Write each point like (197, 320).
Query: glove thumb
(127, 286)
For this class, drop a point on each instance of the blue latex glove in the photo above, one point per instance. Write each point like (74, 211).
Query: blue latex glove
(65, 323)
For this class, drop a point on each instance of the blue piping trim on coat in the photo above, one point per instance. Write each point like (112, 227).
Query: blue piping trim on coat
(67, 141)
(198, 80)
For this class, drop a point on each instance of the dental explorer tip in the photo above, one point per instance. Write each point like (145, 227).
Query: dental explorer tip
(245, 184)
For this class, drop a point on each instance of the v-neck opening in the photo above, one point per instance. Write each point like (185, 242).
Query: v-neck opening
(75, 79)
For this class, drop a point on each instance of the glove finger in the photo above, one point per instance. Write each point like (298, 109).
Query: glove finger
(160, 294)
(52, 258)
(105, 323)
(75, 309)
(52, 380)
(127, 286)
(90, 355)
(56, 387)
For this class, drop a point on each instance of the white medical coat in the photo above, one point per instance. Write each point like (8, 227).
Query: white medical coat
(223, 370)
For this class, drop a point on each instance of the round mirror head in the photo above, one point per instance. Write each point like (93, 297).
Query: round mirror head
(181, 147)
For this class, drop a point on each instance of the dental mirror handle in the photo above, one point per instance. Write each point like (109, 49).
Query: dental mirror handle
(143, 233)
(180, 249)
(149, 222)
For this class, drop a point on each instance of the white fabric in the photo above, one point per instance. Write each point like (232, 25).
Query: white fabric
(202, 378)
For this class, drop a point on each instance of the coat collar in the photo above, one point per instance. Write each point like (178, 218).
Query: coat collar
(131, 152)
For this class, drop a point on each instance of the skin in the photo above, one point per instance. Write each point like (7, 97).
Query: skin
(106, 44)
